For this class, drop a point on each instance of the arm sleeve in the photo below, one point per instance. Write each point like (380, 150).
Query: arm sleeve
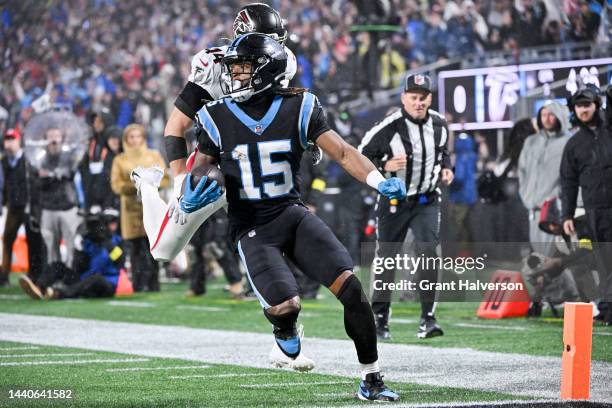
(373, 147)
(191, 99)
(318, 122)
(446, 159)
(206, 145)
(569, 184)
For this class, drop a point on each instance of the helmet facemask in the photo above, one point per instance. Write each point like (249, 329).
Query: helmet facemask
(237, 85)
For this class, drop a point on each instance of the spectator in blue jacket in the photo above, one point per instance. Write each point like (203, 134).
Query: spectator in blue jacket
(97, 262)
(463, 192)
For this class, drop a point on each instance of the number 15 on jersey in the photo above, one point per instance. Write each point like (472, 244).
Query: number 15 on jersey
(268, 167)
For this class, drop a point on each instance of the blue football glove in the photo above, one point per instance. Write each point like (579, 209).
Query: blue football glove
(393, 188)
(193, 200)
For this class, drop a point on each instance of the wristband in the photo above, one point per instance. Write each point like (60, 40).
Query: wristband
(374, 179)
(176, 148)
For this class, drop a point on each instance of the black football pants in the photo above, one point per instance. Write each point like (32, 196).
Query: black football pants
(600, 224)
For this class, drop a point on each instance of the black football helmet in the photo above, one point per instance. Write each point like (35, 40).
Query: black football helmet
(259, 56)
(260, 18)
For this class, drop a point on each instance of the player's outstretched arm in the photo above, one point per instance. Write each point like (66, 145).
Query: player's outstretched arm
(176, 146)
(359, 166)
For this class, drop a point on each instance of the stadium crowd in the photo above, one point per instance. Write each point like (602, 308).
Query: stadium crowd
(120, 63)
(132, 57)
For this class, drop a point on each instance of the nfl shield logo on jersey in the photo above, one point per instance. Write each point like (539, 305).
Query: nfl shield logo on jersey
(258, 129)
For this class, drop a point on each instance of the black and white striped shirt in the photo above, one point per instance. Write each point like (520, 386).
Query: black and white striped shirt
(424, 142)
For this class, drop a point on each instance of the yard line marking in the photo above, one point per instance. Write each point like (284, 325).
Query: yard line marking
(182, 377)
(309, 314)
(203, 308)
(403, 321)
(129, 304)
(112, 370)
(45, 355)
(503, 403)
(523, 375)
(292, 384)
(12, 297)
(19, 348)
(64, 362)
(602, 334)
(335, 394)
(490, 326)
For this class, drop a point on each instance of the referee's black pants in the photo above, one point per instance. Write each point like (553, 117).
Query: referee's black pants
(423, 218)
(600, 224)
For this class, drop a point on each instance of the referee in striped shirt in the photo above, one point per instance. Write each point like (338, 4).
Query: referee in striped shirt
(410, 144)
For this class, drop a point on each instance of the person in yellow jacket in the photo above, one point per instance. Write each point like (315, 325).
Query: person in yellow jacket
(136, 153)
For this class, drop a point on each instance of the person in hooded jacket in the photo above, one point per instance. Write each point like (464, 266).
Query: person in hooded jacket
(538, 169)
(539, 180)
(136, 153)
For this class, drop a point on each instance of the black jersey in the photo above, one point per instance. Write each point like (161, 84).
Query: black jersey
(260, 158)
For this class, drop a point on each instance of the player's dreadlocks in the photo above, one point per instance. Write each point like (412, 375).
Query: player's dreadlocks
(290, 91)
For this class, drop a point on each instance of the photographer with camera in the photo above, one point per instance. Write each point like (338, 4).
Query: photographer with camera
(97, 261)
(58, 195)
(587, 164)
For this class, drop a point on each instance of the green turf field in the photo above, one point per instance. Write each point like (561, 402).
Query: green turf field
(321, 318)
(115, 380)
(104, 379)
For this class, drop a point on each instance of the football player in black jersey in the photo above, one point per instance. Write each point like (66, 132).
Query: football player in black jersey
(204, 85)
(257, 136)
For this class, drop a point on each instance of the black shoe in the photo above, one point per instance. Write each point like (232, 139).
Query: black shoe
(535, 309)
(382, 327)
(373, 389)
(607, 321)
(428, 328)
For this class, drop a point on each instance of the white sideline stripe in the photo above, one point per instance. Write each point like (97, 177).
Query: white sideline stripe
(19, 348)
(509, 373)
(229, 375)
(203, 308)
(403, 321)
(71, 362)
(293, 384)
(12, 297)
(347, 394)
(129, 304)
(113, 370)
(335, 394)
(506, 403)
(602, 334)
(490, 326)
(46, 355)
